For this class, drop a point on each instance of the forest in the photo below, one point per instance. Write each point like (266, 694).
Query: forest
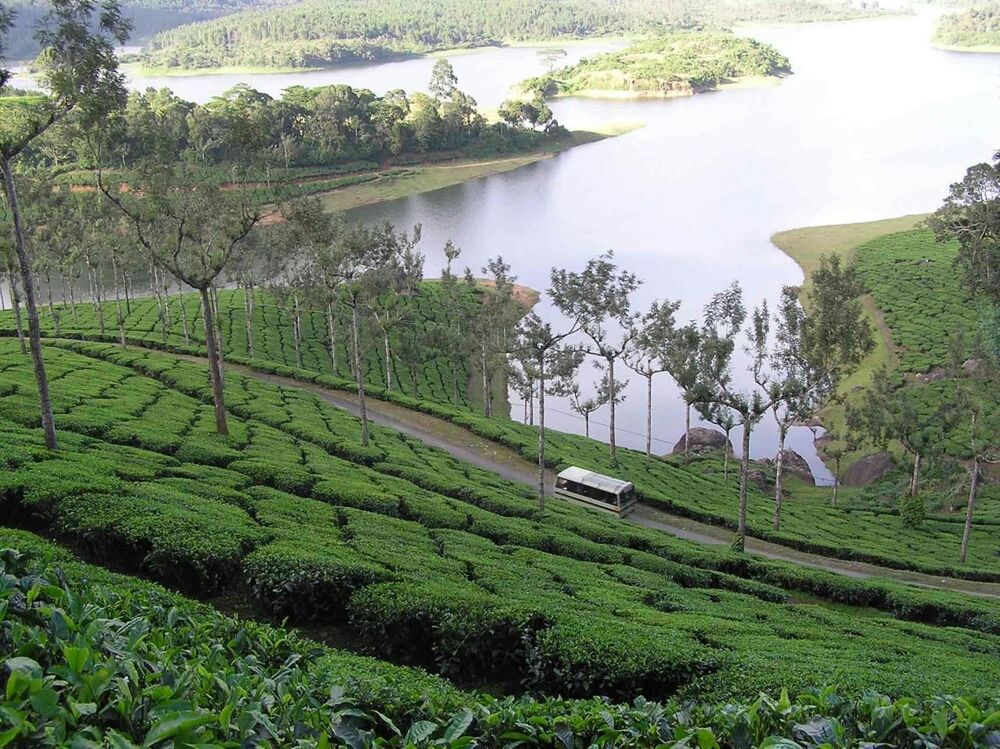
(315, 33)
(677, 64)
(977, 27)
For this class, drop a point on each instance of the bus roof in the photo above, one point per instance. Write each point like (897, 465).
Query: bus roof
(597, 480)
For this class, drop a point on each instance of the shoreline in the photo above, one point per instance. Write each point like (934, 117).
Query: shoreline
(805, 246)
(403, 182)
(748, 82)
(979, 49)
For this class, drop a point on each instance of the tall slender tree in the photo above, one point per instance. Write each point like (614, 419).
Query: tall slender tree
(79, 72)
(647, 356)
(554, 364)
(597, 299)
(682, 361)
(194, 230)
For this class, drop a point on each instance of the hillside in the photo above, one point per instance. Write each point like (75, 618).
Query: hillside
(677, 64)
(851, 531)
(976, 29)
(299, 518)
(317, 33)
(257, 684)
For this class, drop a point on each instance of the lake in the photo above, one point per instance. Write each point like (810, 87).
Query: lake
(874, 123)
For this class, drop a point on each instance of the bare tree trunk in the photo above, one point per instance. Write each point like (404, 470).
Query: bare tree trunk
(531, 406)
(15, 301)
(355, 332)
(388, 361)
(120, 318)
(649, 414)
(586, 426)
(779, 477)
(218, 333)
(297, 330)
(214, 364)
(127, 279)
(687, 432)
(248, 317)
(34, 329)
(331, 334)
(741, 529)
(53, 312)
(487, 411)
(915, 478)
(155, 287)
(973, 494)
(72, 299)
(611, 427)
(541, 434)
(184, 316)
(836, 480)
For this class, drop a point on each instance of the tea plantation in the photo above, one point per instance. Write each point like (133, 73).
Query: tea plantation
(419, 367)
(868, 532)
(98, 659)
(432, 562)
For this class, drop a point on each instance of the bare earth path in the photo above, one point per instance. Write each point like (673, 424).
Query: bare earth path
(471, 448)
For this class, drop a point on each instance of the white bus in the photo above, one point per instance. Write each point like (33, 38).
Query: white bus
(583, 487)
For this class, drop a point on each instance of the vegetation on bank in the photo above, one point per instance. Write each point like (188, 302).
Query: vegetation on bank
(677, 64)
(474, 582)
(315, 34)
(84, 645)
(975, 29)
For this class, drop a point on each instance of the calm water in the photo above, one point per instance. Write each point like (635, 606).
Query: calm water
(874, 123)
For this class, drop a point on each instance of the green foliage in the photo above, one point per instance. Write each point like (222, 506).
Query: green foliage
(97, 658)
(435, 561)
(912, 510)
(678, 63)
(975, 27)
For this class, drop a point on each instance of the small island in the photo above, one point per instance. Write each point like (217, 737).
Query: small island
(676, 64)
(975, 30)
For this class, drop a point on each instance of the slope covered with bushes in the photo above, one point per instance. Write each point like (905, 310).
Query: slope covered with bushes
(432, 561)
(97, 658)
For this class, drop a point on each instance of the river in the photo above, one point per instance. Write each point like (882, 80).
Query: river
(874, 123)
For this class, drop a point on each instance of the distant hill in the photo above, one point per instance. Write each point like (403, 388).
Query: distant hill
(321, 33)
(976, 28)
(671, 65)
(148, 17)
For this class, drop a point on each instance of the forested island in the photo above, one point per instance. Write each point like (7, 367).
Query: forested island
(677, 64)
(317, 33)
(976, 30)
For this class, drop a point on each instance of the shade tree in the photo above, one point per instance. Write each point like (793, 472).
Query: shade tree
(78, 71)
(648, 353)
(598, 301)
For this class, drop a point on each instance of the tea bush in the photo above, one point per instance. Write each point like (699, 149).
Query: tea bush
(572, 601)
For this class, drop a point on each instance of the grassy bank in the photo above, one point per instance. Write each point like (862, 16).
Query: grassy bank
(419, 178)
(807, 245)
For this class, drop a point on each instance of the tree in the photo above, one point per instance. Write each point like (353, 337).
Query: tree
(886, 412)
(194, 230)
(554, 364)
(598, 301)
(368, 260)
(647, 355)
(724, 316)
(585, 406)
(493, 326)
(444, 82)
(79, 71)
(725, 418)
(837, 444)
(682, 361)
(812, 351)
(970, 215)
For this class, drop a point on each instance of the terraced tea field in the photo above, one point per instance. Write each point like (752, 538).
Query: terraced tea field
(431, 561)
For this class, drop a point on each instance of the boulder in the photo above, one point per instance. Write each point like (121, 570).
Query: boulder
(759, 477)
(703, 439)
(796, 465)
(867, 469)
